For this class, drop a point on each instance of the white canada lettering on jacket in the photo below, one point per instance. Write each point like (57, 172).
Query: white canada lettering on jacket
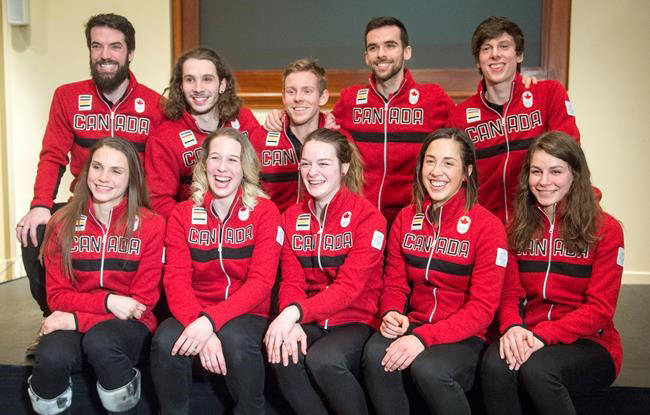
(191, 156)
(444, 245)
(118, 244)
(208, 237)
(396, 115)
(279, 157)
(102, 122)
(514, 123)
(539, 247)
(330, 242)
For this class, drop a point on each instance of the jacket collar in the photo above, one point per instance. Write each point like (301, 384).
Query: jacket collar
(517, 87)
(208, 198)
(286, 123)
(407, 83)
(117, 211)
(449, 211)
(342, 200)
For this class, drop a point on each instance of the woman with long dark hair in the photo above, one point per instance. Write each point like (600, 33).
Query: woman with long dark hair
(447, 257)
(331, 279)
(222, 247)
(555, 317)
(103, 255)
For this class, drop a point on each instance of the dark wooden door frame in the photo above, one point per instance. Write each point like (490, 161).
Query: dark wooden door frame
(261, 89)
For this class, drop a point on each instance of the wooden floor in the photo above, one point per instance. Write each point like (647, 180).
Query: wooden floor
(20, 320)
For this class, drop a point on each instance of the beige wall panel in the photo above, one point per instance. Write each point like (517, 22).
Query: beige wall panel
(52, 51)
(608, 83)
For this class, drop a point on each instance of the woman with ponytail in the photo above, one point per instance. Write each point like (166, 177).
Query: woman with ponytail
(103, 256)
(331, 270)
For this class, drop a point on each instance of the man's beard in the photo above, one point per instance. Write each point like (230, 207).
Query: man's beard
(109, 82)
(395, 70)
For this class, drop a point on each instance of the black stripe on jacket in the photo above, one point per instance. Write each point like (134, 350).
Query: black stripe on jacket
(207, 255)
(439, 265)
(563, 268)
(110, 264)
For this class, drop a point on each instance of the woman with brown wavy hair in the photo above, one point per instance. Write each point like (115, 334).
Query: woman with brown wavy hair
(103, 256)
(557, 306)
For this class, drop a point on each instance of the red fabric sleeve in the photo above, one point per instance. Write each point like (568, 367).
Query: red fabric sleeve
(361, 262)
(145, 285)
(510, 311)
(53, 159)
(396, 287)
(162, 173)
(260, 274)
(293, 285)
(559, 118)
(177, 280)
(484, 293)
(600, 297)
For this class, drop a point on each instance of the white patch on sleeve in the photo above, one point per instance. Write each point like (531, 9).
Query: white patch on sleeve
(377, 240)
(620, 259)
(569, 108)
(502, 257)
(279, 238)
(164, 255)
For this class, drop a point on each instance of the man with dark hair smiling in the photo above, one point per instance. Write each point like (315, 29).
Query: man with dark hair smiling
(504, 116)
(112, 103)
(390, 116)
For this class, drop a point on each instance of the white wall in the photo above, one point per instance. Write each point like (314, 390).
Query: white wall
(52, 51)
(608, 83)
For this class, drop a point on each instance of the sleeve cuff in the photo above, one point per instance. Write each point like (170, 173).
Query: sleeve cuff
(299, 307)
(511, 326)
(540, 339)
(420, 338)
(206, 315)
(76, 322)
(106, 302)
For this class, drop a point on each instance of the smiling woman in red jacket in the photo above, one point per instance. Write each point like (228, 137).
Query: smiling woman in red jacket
(103, 256)
(556, 312)
(222, 248)
(331, 279)
(446, 263)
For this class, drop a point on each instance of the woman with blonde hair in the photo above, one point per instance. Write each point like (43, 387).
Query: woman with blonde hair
(103, 255)
(557, 308)
(331, 279)
(222, 247)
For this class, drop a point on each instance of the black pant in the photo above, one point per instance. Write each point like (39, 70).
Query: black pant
(241, 340)
(548, 377)
(333, 361)
(441, 373)
(113, 347)
(33, 268)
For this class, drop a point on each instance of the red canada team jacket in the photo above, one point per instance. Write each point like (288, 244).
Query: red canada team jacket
(173, 150)
(451, 274)
(502, 141)
(221, 269)
(105, 262)
(568, 295)
(331, 269)
(279, 159)
(389, 133)
(79, 116)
